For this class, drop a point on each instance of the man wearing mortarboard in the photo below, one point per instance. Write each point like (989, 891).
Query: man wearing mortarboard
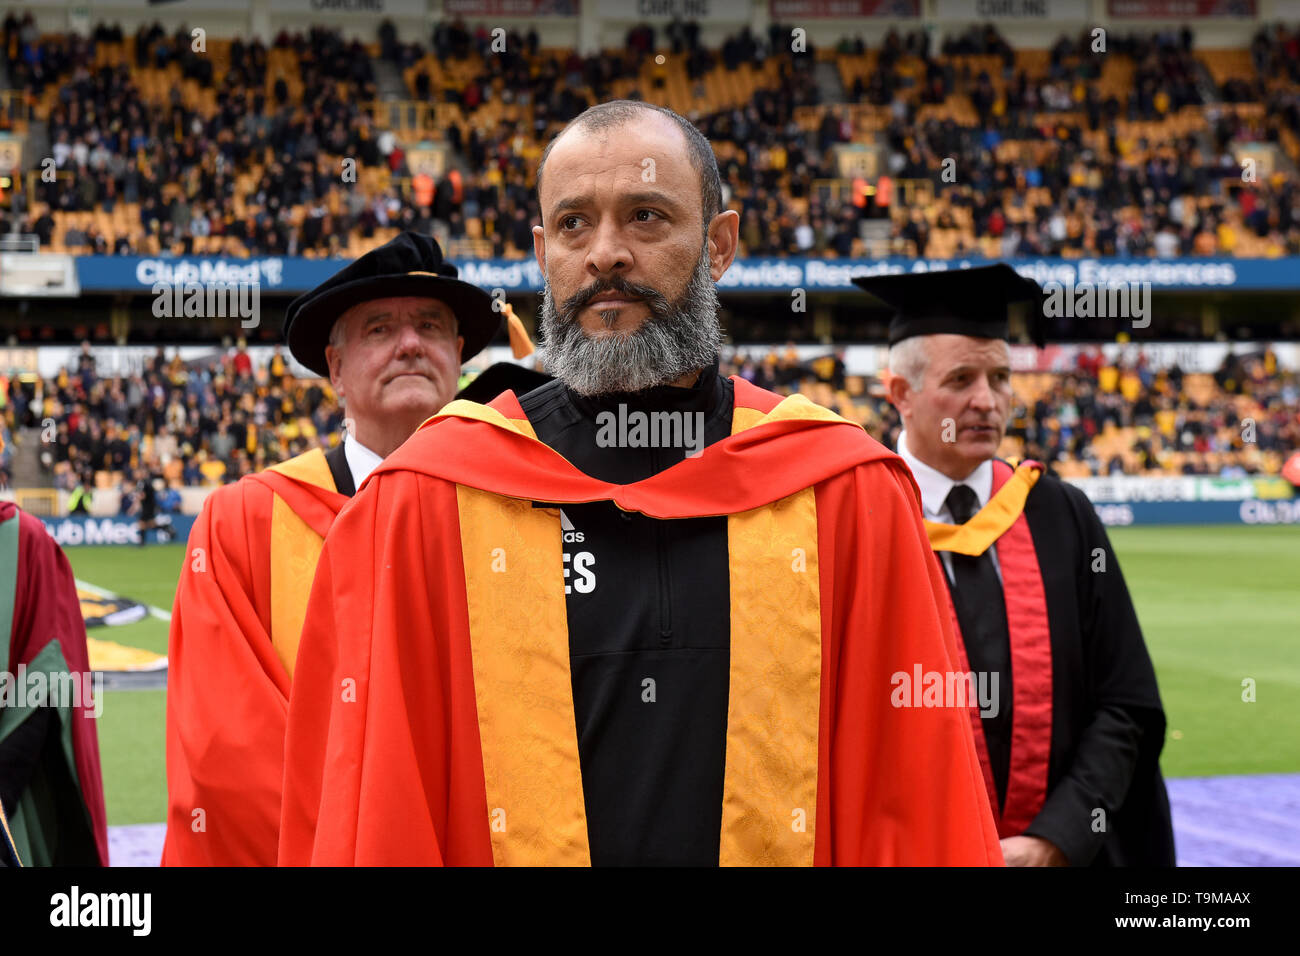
(390, 331)
(1070, 746)
(643, 614)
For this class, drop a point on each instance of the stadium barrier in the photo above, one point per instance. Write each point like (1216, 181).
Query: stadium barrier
(861, 359)
(81, 531)
(1251, 511)
(1130, 489)
(284, 274)
(1191, 499)
(74, 531)
(1119, 501)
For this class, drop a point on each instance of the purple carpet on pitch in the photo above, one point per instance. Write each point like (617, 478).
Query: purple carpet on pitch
(1218, 821)
(137, 845)
(1237, 821)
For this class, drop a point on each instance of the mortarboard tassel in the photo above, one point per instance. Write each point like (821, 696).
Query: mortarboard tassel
(520, 344)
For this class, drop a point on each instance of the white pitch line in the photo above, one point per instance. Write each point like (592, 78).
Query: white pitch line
(111, 596)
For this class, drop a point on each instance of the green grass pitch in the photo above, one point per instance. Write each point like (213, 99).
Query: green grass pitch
(1218, 605)
(131, 741)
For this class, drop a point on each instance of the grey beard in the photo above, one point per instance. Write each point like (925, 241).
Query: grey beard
(676, 339)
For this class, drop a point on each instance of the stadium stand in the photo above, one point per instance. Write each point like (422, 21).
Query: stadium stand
(1007, 152)
(237, 152)
(1100, 419)
(202, 424)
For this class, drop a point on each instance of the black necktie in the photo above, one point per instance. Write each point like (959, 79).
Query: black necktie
(982, 614)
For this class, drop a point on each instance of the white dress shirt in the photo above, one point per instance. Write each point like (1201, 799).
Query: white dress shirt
(361, 460)
(935, 486)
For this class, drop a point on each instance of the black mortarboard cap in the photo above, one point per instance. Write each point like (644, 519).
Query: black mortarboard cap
(959, 301)
(502, 377)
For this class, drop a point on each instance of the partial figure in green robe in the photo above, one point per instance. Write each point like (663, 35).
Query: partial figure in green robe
(51, 788)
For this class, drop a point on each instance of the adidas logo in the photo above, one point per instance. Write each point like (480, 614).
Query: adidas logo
(579, 573)
(571, 536)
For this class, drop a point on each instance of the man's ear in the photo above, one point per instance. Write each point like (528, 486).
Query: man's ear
(723, 242)
(899, 392)
(334, 359)
(539, 247)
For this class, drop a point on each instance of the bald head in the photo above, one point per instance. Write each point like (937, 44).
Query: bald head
(630, 117)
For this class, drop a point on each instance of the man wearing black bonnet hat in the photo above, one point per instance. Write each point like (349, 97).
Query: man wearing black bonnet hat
(390, 331)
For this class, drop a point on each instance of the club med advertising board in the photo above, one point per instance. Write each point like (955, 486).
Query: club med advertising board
(76, 531)
(291, 275)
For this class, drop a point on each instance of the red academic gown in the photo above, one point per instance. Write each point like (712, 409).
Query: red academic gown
(248, 566)
(432, 716)
(56, 813)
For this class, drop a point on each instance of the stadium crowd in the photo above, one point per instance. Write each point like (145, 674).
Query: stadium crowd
(211, 422)
(1100, 418)
(238, 151)
(1045, 163)
(1157, 186)
(178, 168)
(199, 423)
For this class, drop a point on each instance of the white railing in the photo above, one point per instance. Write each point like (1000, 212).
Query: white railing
(20, 242)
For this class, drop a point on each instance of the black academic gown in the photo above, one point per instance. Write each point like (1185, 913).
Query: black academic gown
(1108, 725)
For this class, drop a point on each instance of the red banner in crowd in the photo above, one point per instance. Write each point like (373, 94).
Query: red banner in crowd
(511, 8)
(844, 9)
(1181, 9)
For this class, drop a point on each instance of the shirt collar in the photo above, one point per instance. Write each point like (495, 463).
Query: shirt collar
(361, 460)
(935, 485)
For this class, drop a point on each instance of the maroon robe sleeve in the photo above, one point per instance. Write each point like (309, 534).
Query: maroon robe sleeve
(46, 609)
